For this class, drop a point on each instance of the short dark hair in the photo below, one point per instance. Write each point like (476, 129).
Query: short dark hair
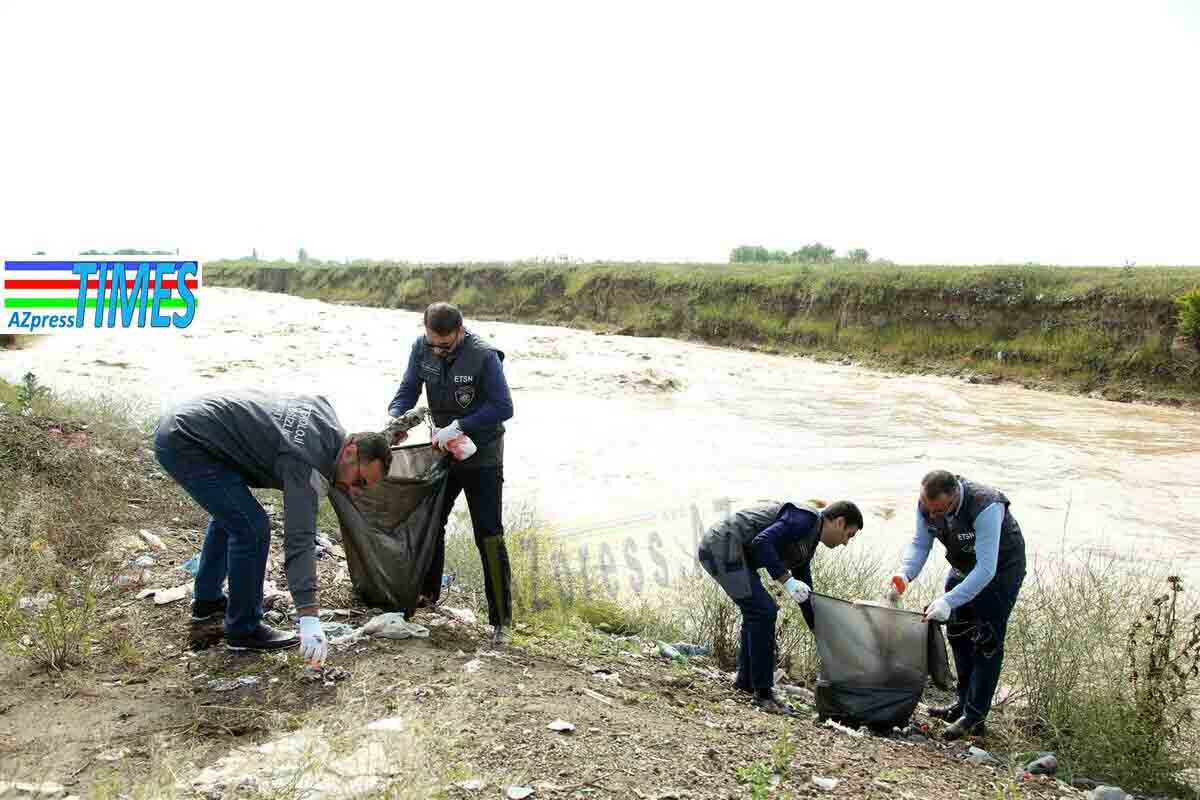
(443, 318)
(373, 447)
(844, 509)
(938, 483)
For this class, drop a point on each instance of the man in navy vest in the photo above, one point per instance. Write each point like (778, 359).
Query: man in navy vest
(781, 537)
(986, 552)
(466, 392)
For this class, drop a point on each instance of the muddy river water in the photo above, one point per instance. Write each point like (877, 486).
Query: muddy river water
(629, 444)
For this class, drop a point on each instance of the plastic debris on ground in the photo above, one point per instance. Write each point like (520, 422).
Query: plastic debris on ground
(393, 626)
(980, 757)
(561, 726)
(461, 614)
(1108, 793)
(336, 630)
(146, 560)
(152, 540)
(391, 724)
(667, 651)
(472, 666)
(229, 684)
(518, 792)
(837, 726)
(192, 565)
(1044, 764)
(164, 596)
(825, 784)
(688, 649)
(472, 785)
(45, 788)
(39, 602)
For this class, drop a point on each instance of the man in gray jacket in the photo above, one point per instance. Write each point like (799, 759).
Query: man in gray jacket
(218, 446)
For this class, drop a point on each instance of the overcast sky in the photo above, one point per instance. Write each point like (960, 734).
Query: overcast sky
(1060, 132)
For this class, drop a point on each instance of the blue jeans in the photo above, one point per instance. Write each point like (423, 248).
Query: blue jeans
(756, 654)
(976, 631)
(239, 531)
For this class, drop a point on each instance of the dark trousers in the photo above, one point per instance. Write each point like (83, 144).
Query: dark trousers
(976, 631)
(756, 653)
(238, 536)
(484, 489)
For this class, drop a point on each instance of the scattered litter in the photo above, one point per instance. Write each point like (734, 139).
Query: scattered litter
(336, 630)
(837, 726)
(228, 684)
(391, 724)
(393, 626)
(461, 614)
(145, 560)
(323, 541)
(133, 578)
(436, 622)
(688, 649)
(152, 540)
(561, 726)
(325, 675)
(164, 596)
(597, 696)
(301, 764)
(473, 666)
(1045, 764)
(980, 757)
(192, 565)
(825, 784)
(39, 602)
(518, 792)
(667, 651)
(46, 788)
(799, 692)
(473, 785)
(113, 755)
(1107, 793)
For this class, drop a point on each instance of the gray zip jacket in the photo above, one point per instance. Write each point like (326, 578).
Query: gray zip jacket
(289, 442)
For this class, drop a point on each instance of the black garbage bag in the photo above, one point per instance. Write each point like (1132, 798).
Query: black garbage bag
(875, 662)
(391, 531)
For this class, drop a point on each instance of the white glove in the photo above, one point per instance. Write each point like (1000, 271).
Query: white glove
(799, 590)
(938, 610)
(313, 646)
(397, 436)
(444, 435)
(896, 586)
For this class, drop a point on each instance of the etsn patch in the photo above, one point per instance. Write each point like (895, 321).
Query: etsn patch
(465, 395)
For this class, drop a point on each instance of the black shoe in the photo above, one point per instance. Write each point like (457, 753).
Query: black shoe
(947, 713)
(208, 610)
(963, 727)
(264, 638)
(769, 704)
(743, 688)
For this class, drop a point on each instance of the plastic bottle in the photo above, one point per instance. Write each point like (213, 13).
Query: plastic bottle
(461, 447)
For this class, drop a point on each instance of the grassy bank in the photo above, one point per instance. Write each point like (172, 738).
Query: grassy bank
(1101, 661)
(1103, 330)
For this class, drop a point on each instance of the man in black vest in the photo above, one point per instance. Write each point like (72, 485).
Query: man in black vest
(782, 537)
(466, 393)
(986, 552)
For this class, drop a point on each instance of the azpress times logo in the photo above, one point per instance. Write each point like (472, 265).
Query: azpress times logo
(44, 296)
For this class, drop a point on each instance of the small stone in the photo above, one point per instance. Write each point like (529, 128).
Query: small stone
(561, 726)
(518, 792)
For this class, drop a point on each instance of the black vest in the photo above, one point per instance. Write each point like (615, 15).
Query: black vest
(729, 540)
(957, 533)
(454, 389)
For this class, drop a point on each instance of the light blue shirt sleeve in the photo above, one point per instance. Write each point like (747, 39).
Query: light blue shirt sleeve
(917, 551)
(987, 550)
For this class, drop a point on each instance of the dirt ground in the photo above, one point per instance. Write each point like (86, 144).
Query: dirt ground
(644, 727)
